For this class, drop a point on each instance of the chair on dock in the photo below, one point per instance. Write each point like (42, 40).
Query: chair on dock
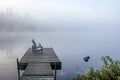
(36, 48)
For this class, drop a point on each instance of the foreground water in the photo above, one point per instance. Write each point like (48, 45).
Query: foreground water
(70, 47)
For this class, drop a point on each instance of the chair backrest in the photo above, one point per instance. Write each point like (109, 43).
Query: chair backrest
(34, 43)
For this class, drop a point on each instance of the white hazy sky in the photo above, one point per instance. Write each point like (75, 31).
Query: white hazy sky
(100, 12)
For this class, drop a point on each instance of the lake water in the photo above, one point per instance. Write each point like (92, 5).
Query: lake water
(70, 47)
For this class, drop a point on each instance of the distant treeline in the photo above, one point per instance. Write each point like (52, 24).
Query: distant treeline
(13, 22)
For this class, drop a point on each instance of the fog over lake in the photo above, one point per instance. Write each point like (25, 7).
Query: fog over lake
(73, 29)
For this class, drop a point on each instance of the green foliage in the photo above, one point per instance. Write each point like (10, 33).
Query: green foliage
(109, 71)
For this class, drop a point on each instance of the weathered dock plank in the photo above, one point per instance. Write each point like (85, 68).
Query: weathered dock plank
(47, 56)
(38, 69)
(37, 78)
(39, 66)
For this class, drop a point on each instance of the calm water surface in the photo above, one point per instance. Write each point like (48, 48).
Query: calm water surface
(70, 47)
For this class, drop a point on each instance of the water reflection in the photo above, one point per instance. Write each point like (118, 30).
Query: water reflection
(70, 47)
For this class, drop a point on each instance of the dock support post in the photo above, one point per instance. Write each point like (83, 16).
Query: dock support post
(55, 71)
(18, 69)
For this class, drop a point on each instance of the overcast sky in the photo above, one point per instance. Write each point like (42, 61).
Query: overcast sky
(68, 12)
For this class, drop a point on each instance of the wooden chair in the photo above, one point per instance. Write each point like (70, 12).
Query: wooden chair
(36, 48)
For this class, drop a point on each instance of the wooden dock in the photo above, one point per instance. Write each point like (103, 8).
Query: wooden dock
(39, 66)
